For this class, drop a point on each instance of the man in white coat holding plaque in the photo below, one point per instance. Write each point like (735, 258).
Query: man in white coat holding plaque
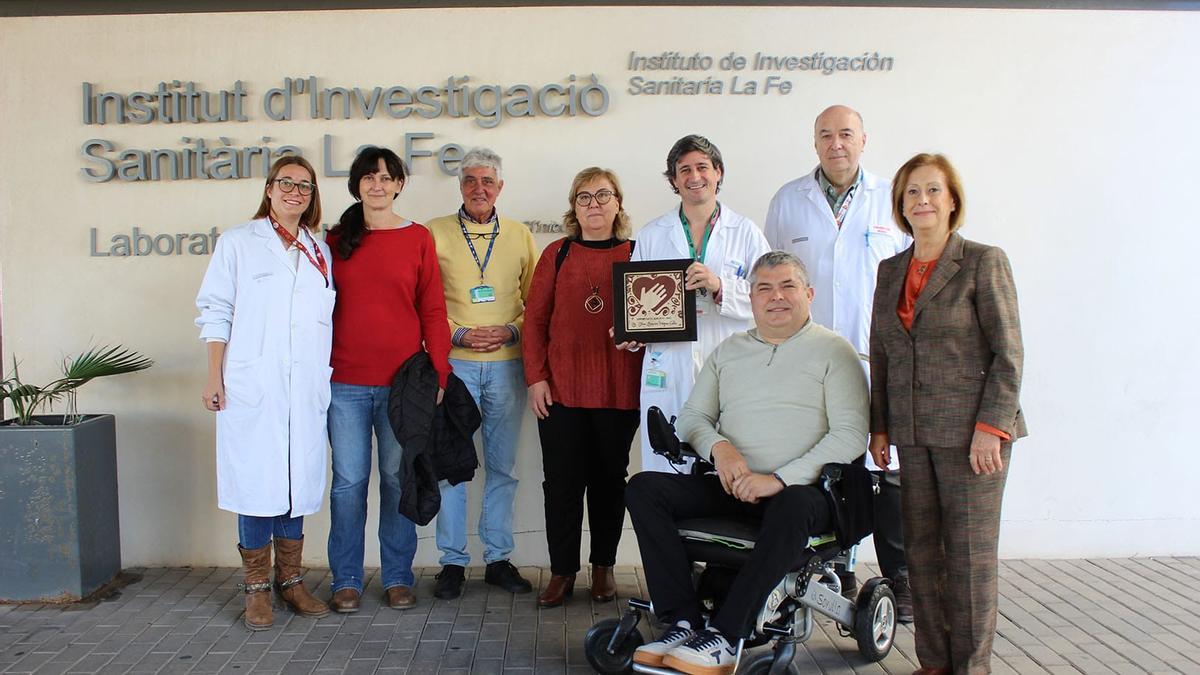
(723, 246)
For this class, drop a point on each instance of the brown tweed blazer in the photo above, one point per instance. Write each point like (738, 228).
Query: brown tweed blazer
(962, 361)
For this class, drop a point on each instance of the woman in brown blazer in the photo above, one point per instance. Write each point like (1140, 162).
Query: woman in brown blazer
(946, 362)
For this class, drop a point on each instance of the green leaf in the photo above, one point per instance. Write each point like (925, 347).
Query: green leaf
(104, 361)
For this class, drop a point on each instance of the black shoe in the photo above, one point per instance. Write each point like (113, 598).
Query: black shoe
(502, 573)
(904, 606)
(449, 582)
(849, 584)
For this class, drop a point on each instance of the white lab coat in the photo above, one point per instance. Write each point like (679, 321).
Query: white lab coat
(276, 318)
(842, 263)
(733, 246)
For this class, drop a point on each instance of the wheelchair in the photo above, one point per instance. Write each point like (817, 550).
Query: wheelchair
(718, 548)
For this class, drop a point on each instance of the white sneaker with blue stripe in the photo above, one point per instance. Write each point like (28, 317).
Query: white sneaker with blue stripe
(652, 653)
(705, 653)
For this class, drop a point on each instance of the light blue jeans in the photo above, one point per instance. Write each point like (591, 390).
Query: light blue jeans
(257, 531)
(354, 412)
(498, 388)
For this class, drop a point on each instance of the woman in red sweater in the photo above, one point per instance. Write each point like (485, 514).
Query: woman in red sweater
(389, 303)
(583, 390)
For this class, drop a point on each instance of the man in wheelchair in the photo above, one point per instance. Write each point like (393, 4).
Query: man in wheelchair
(769, 409)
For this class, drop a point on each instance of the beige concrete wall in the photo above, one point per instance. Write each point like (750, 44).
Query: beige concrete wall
(1075, 133)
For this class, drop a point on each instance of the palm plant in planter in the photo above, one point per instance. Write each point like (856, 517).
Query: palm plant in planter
(60, 536)
(27, 399)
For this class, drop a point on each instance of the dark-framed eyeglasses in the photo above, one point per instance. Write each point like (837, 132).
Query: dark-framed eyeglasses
(602, 197)
(287, 185)
(486, 236)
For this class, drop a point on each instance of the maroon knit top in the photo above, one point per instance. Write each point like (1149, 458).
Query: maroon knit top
(568, 345)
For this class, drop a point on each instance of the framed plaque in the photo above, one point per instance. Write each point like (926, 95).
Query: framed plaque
(651, 302)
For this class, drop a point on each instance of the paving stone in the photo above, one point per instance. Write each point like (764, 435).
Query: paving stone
(1091, 616)
(298, 667)
(30, 662)
(96, 663)
(396, 658)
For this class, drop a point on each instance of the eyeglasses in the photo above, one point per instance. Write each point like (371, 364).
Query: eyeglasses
(486, 236)
(602, 197)
(287, 185)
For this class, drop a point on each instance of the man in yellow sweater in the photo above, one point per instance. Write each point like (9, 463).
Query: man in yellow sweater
(486, 263)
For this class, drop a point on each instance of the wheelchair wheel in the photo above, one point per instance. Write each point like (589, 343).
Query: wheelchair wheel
(761, 665)
(595, 647)
(875, 620)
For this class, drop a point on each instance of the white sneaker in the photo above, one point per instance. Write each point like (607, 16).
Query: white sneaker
(706, 653)
(652, 653)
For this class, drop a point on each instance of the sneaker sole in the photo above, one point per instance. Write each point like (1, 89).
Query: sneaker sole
(695, 669)
(648, 659)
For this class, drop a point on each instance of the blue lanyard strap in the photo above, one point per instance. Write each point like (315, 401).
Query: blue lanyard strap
(486, 256)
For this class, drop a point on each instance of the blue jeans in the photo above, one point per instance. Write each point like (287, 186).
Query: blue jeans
(354, 412)
(498, 388)
(256, 531)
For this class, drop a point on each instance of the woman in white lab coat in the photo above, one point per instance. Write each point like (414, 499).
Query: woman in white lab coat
(266, 307)
(724, 246)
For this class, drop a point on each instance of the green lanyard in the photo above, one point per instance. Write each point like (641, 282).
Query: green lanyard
(708, 230)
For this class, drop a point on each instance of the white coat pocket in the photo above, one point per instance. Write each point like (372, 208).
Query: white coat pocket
(243, 386)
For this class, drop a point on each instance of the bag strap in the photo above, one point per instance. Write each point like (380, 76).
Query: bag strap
(562, 254)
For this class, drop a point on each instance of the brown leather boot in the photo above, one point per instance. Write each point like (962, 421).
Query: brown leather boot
(561, 586)
(604, 586)
(289, 579)
(256, 565)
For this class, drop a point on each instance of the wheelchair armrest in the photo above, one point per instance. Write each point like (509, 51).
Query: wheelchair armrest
(850, 491)
(663, 440)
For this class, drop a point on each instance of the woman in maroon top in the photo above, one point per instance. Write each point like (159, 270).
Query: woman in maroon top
(389, 306)
(583, 390)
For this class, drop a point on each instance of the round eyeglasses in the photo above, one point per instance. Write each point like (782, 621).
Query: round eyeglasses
(287, 185)
(602, 197)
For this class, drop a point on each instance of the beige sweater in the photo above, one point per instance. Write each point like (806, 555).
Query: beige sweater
(789, 408)
(509, 273)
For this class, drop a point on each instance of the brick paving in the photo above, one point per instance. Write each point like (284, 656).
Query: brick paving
(1056, 616)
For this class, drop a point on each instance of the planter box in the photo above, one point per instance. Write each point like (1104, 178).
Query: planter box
(60, 536)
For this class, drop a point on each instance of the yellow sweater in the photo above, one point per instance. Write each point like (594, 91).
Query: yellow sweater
(509, 272)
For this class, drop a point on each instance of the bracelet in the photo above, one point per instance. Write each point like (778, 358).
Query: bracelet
(780, 479)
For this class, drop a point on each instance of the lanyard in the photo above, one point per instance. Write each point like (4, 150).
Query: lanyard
(318, 262)
(486, 256)
(708, 230)
(841, 212)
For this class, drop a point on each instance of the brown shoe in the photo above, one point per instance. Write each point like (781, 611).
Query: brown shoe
(344, 601)
(289, 579)
(561, 586)
(604, 586)
(256, 582)
(400, 597)
(925, 670)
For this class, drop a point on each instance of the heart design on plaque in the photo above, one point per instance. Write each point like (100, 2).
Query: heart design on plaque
(652, 284)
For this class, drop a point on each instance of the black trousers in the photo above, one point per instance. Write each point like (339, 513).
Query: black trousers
(585, 450)
(889, 528)
(658, 500)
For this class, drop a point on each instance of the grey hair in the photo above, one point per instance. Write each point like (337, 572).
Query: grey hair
(777, 258)
(484, 157)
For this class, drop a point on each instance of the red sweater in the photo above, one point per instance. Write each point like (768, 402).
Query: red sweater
(389, 302)
(569, 346)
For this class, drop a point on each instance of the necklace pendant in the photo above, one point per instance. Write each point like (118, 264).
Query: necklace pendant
(594, 303)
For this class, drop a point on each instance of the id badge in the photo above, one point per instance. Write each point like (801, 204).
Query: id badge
(483, 293)
(656, 379)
